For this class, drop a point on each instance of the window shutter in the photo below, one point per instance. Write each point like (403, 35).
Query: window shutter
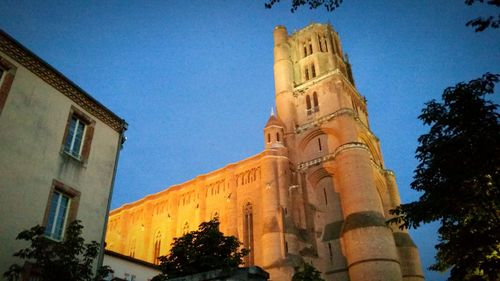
(87, 142)
(4, 88)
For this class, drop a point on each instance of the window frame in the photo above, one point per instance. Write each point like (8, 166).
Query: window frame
(73, 203)
(87, 135)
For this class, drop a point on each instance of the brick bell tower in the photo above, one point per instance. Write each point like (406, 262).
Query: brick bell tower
(339, 191)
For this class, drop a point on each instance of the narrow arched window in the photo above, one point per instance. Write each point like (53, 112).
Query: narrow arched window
(310, 47)
(156, 248)
(305, 51)
(308, 102)
(330, 250)
(307, 74)
(278, 137)
(132, 248)
(313, 71)
(268, 137)
(326, 44)
(315, 102)
(320, 43)
(248, 233)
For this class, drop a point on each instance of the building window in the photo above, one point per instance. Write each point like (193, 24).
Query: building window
(315, 102)
(307, 74)
(74, 139)
(7, 73)
(278, 137)
(308, 49)
(78, 135)
(268, 138)
(156, 250)
(313, 71)
(61, 209)
(248, 233)
(308, 105)
(330, 251)
(132, 248)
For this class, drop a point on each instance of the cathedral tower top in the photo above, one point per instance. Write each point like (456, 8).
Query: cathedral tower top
(302, 59)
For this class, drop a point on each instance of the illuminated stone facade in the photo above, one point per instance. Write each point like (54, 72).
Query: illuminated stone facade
(318, 192)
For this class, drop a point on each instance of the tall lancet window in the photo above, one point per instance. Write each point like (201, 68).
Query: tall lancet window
(315, 102)
(308, 104)
(248, 233)
(132, 248)
(156, 249)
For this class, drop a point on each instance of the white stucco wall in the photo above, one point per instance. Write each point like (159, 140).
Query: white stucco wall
(126, 268)
(32, 126)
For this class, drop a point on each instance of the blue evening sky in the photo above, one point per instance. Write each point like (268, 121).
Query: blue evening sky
(194, 79)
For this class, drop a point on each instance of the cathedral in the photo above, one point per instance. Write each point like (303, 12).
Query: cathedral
(318, 192)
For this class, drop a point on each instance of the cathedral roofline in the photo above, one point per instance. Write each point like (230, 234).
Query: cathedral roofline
(309, 27)
(212, 174)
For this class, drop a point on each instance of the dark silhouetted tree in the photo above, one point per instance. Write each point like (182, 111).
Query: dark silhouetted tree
(307, 272)
(480, 23)
(202, 250)
(459, 176)
(330, 5)
(70, 259)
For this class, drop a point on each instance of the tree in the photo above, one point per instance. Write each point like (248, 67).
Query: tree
(202, 250)
(70, 259)
(307, 273)
(459, 175)
(479, 23)
(330, 5)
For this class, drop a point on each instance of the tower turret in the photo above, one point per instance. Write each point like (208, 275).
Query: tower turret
(274, 132)
(283, 79)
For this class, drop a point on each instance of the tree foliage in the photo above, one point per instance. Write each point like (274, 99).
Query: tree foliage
(480, 23)
(459, 175)
(70, 259)
(307, 273)
(202, 250)
(329, 5)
